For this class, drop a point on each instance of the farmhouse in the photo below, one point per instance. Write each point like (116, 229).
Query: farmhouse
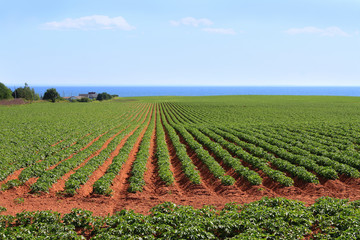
(91, 95)
(72, 98)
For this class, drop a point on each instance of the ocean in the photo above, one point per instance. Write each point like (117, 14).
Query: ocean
(66, 91)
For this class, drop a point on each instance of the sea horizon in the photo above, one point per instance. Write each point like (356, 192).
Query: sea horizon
(142, 91)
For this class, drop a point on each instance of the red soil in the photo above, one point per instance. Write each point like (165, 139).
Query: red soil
(120, 183)
(87, 188)
(12, 176)
(60, 184)
(53, 145)
(210, 192)
(156, 192)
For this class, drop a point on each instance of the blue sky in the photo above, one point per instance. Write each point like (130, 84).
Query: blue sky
(177, 43)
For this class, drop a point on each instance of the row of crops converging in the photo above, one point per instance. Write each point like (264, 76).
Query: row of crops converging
(128, 139)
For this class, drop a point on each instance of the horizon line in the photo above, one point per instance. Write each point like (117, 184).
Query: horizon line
(191, 86)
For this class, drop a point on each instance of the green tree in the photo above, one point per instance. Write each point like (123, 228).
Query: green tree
(5, 93)
(25, 92)
(103, 96)
(51, 94)
(35, 95)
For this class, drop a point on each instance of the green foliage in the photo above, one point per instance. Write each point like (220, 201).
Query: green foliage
(336, 218)
(187, 165)
(103, 185)
(136, 181)
(81, 176)
(84, 99)
(5, 93)
(307, 138)
(3, 209)
(51, 94)
(10, 184)
(104, 96)
(269, 218)
(19, 200)
(25, 92)
(162, 152)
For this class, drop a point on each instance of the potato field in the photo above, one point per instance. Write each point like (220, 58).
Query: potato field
(267, 152)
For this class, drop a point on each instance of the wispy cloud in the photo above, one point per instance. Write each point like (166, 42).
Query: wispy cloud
(204, 23)
(190, 21)
(229, 31)
(94, 22)
(329, 32)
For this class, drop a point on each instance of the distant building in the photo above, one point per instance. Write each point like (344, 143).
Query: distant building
(91, 95)
(72, 98)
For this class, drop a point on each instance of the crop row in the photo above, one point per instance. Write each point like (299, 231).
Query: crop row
(103, 185)
(82, 175)
(49, 177)
(338, 133)
(29, 135)
(196, 117)
(187, 165)
(255, 162)
(322, 165)
(226, 157)
(275, 148)
(136, 181)
(343, 149)
(51, 155)
(162, 152)
(213, 166)
(40, 167)
(318, 138)
(184, 113)
(316, 148)
(268, 218)
(281, 164)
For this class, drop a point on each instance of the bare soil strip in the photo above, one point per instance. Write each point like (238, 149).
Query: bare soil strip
(53, 145)
(15, 175)
(60, 184)
(12, 176)
(305, 191)
(153, 183)
(87, 188)
(89, 144)
(211, 184)
(154, 186)
(228, 190)
(181, 182)
(120, 183)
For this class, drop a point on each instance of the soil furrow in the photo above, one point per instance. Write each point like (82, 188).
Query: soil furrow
(53, 145)
(87, 188)
(120, 183)
(12, 176)
(154, 184)
(60, 184)
(228, 190)
(211, 184)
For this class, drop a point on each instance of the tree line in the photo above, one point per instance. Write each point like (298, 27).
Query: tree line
(51, 94)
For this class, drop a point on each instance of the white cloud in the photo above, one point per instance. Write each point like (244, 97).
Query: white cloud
(190, 21)
(91, 23)
(229, 31)
(330, 31)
